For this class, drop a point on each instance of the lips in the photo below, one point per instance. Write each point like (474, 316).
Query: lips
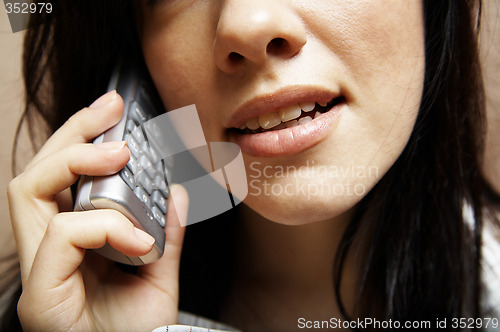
(286, 122)
(288, 117)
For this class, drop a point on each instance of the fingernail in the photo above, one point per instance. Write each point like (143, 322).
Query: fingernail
(111, 145)
(104, 99)
(144, 237)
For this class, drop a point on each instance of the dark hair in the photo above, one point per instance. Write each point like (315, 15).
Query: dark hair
(422, 258)
(423, 255)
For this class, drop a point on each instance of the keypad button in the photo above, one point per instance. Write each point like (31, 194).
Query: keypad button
(132, 165)
(145, 182)
(160, 201)
(161, 185)
(159, 167)
(144, 162)
(157, 170)
(133, 147)
(130, 126)
(137, 113)
(138, 135)
(145, 150)
(146, 165)
(160, 217)
(143, 196)
(128, 177)
(154, 156)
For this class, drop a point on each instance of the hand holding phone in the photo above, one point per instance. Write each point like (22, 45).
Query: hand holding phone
(64, 285)
(140, 189)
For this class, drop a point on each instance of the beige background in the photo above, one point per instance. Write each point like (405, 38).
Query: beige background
(491, 59)
(11, 98)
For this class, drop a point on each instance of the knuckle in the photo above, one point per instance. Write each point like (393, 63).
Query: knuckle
(76, 118)
(73, 150)
(24, 306)
(13, 187)
(16, 187)
(74, 157)
(114, 220)
(21, 306)
(113, 217)
(57, 224)
(26, 310)
(77, 123)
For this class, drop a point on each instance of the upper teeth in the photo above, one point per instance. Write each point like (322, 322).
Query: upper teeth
(285, 114)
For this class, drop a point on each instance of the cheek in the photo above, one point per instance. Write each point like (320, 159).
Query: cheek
(379, 42)
(180, 60)
(178, 57)
(381, 45)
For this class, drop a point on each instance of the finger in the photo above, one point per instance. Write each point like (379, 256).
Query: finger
(34, 189)
(165, 271)
(61, 169)
(68, 235)
(84, 125)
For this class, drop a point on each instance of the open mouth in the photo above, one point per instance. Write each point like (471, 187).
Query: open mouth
(288, 117)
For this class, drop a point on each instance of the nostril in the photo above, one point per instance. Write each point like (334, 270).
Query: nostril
(277, 45)
(235, 57)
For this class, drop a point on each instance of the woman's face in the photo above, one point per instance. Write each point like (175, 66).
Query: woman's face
(251, 65)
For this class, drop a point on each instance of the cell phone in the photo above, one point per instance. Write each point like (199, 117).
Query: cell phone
(140, 189)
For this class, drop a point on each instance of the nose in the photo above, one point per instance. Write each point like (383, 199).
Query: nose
(249, 32)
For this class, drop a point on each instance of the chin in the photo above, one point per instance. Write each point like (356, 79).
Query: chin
(300, 209)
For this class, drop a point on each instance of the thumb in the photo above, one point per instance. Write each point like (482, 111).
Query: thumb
(167, 267)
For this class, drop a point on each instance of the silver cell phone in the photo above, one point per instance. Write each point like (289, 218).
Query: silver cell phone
(140, 189)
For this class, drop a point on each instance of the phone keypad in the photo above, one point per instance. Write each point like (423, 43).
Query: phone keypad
(145, 173)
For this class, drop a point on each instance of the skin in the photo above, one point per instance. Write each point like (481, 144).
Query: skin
(63, 286)
(370, 51)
